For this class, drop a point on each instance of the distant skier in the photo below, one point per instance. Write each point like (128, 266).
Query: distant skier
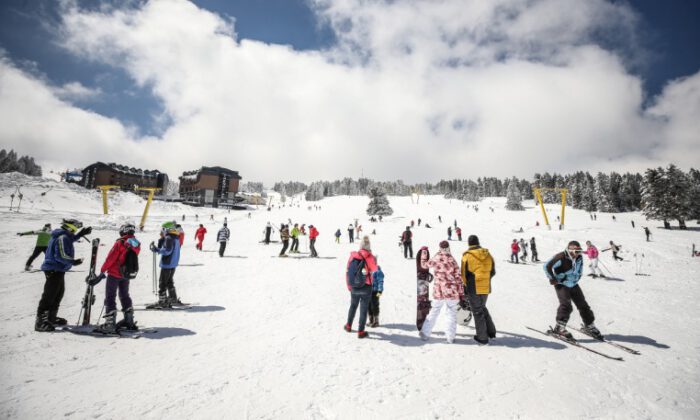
(284, 237)
(455, 223)
(632, 224)
(419, 221)
(533, 248)
(359, 231)
(42, 242)
(439, 219)
(377, 290)
(647, 232)
(407, 241)
(449, 233)
(351, 233)
(337, 236)
(458, 230)
(592, 253)
(295, 239)
(360, 296)
(199, 236)
(268, 232)
(222, 237)
(523, 248)
(564, 272)
(514, 251)
(478, 268)
(59, 259)
(615, 249)
(169, 249)
(313, 234)
(413, 223)
(447, 291)
(183, 217)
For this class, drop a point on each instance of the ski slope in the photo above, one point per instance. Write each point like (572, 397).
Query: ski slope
(265, 339)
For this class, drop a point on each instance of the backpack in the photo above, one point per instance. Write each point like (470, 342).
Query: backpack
(130, 269)
(355, 276)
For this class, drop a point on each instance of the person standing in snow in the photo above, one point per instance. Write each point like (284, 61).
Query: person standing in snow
(268, 232)
(180, 234)
(458, 231)
(647, 232)
(222, 237)
(523, 247)
(313, 234)
(533, 248)
(284, 237)
(447, 291)
(407, 241)
(514, 251)
(377, 290)
(477, 270)
(337, 236)
(360, 296)
(564, 272)
(60, 258)
(449, 233)
(592, 254)
(295, 239)
(199, 236)
(351, 233)
(169, 250)
(42, 242)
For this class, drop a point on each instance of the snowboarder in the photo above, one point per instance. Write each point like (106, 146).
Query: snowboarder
(449, 233)
(42, 242)
(360, 296)
(268, 232)
(647, 232)
(523, 247)
(199, 236)
(59, 259)
(313, 234)
(295, 239)
(447, 291)
(478, 268)
(351, 233)
(514, 251)
(592, 254)
(118, 271)
(458, 230)
(169, 249)
(407, 241)
(337, 236)
(533, 248)
(377, 290)
(564, 272)
(284, 236)
(222, 237)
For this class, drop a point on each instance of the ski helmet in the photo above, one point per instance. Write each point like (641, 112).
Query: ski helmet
(127, 229)
(71, 225)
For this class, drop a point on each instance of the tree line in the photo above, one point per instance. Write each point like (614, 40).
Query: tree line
(9, 162)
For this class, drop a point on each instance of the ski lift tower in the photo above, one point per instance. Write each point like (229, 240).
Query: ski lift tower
(151, 192)
(538, 196)
(105, 189)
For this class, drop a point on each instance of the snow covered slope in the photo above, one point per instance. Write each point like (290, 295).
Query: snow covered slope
(266, 338)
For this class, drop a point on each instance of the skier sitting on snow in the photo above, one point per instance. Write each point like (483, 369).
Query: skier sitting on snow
(592, 254)
(42, 242)
(478, 268)
(169, 250)
(564, 272)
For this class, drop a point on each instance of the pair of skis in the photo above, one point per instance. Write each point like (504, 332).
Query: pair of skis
(551, 333)
(91, 331)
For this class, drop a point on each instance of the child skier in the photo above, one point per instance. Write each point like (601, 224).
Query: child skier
(42, 241)
(377, 290)
(337, 236)
(169, 250)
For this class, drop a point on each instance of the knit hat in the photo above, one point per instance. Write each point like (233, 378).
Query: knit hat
(444, 245)
(473, 240)
(364, 244)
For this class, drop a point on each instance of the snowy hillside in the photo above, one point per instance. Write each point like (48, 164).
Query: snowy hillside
(265, 338)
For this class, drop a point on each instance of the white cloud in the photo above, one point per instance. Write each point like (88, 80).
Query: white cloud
(76, 91)
(419, 90)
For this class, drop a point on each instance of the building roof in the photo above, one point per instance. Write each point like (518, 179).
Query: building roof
(125, 169)
(212, 170)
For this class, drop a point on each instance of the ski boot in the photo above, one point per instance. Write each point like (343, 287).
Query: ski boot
(109, 326)
(480, 341)
(560, 330)
(56, 320)
(173, 299)
(347, 328)
(128, 322)
(371, 321)
(27, 267)
(591, 330)
(42, 323)
(163, 301)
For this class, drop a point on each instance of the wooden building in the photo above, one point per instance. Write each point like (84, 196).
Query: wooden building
(211, 186)
(125, 177)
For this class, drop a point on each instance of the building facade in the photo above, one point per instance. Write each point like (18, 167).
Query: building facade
(125, 177)
(210, 186)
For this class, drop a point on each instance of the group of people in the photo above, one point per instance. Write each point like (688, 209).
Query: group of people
(521, 246)
(296, 231)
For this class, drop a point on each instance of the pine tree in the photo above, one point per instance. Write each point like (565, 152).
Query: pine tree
(588, 199)
(654, 189)
(677, 195)
(694, 195)
(378, 203)
(602, 192)
(513, 197)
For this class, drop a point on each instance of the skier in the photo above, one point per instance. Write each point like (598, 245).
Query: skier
(632, 224)
(377, 290)
(59, 259)
(449, 233)
(42, 241)
(413, 223)
(337, 236)
(515, 249)
(564, 272)
(447, 291)
(268, 232)
(615, 249)
(647, 232)
(169, 250)
(523, 247)
(439, 219)
(360, 296)
(458, 230)
(284, 236)
(295, 240)
(478, 268)
(313, 234)
(183, 217)
(359, 231)
(533, 248)
(407, 241)
(199, 236)
(455, 223)
(592, 253)
(222, 237)
(351, 233)
(116, 269)
(419, 221)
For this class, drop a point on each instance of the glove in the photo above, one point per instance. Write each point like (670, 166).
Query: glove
(92, 281)
(85, 231)
(153, 247)
(379, 294)
(553, 282)
(78, 261)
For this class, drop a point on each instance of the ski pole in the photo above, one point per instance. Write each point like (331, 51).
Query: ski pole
(154, 273)
(101, 310)
(606, 268)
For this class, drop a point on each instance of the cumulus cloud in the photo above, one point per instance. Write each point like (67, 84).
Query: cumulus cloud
(419, 90)
(76, 91)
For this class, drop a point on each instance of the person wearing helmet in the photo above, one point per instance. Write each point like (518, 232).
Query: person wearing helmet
(42, 242)
(169, 250)
(119, 273)
(60, 257)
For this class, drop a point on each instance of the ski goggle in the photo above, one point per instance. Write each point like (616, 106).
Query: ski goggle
(575, 250)
(72, 226)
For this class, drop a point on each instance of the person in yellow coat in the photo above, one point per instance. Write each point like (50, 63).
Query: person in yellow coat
(477, 270)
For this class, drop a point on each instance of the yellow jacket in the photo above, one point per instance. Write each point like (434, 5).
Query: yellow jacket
(477, 270)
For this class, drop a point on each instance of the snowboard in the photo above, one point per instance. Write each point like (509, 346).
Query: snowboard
(464, 316)
(423, 289)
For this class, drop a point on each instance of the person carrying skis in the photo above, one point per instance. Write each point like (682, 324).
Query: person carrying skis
(449, 233)
(199, 236)
(268, 232)
(222, 237)
(360, 296)
(514, 250)
(60, 258)
(407, 241)
(478, 268)
(337, 236)
(118, 273)
(169, 250)
(295, 239)
(313, 234)
(284, 236)
(523, 247)
(377, 290)
(42, 242)
(458, 231)
(564, 272)
(533, 248)
(351, 233)
(447, 291)
(592, 254)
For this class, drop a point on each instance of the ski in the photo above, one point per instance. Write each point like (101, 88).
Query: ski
(612, 343)
(575, 343)
(157, 307)
(91, 330)
(89, 298)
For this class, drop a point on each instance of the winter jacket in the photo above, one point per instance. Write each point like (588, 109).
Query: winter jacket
(533, 246)
(447, 283)
(60, 254)
(378, 280)
(169, 251)
(370, 265)
(181, 237)
(295, 232)
(284, 234)
(592, 252)
(313, 233)
(117, 255)
(514, 247)
(43, 236)
(564, 269)
(199, 235)
(477, 270)
(337, 233)
(223, 235)
(407, 236)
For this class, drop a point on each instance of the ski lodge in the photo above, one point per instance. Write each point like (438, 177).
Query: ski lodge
(211, 186)
(124, 177)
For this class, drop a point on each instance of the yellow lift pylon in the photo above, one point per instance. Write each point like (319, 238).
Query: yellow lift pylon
(151, 192)
(105, 189)
(538, 196)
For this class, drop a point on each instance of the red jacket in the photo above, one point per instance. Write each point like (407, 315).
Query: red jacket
(313, 233)
(199, 235)
(116, 256)
(181, 236)
(370, 265)
(515, 247)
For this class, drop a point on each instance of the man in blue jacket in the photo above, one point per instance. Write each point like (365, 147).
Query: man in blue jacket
(169, 250)
(564, 272)
(60, 257)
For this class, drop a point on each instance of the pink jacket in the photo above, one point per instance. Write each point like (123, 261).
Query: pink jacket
(370, 265)
(448, 281)
(592, 252)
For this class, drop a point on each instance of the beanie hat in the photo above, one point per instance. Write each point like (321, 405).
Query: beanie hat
(574, 243)
(444, 245)
(473, 240)
(364, 244)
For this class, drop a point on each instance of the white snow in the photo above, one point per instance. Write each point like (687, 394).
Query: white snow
(266, 338)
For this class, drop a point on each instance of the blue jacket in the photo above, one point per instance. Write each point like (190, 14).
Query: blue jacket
(564, 269)
(60, 253)
(378, 280)
(169, 251)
